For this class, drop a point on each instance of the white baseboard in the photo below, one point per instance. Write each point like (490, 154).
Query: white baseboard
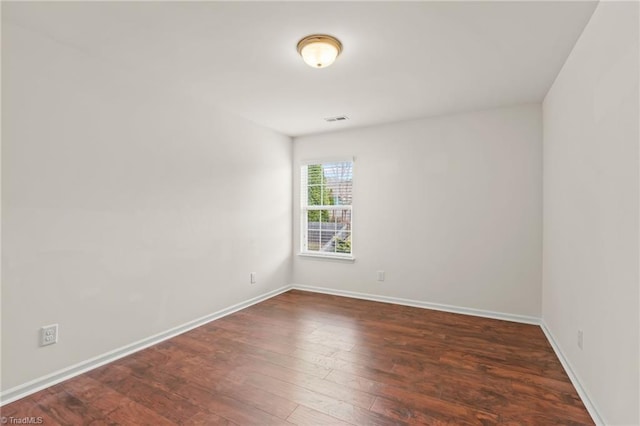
(38, 384)
(593, 411)
(420, 304)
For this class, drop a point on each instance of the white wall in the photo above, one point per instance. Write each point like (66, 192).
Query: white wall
(450, 207)
(591, 211)
(125, 211)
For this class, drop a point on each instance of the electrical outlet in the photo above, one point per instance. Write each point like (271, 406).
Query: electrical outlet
(380, 275)
(580, 339)
(253, 278)
(49, 335)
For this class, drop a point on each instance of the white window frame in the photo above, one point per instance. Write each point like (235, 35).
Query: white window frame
(304, 209)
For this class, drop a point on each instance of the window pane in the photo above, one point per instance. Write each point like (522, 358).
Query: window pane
(313, 220)
(313, 240)
(343, 243)
(331, 223)
(329, 184)
(314, 174)
(339, 193)
(338, 180)
(343, 219)
(314, 195)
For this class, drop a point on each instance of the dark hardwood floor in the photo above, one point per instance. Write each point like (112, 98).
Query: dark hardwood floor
(311, 359)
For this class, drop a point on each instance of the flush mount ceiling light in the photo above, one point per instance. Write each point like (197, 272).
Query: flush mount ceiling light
(319, 50)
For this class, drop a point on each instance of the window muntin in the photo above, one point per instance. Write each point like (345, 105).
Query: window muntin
(326, 212)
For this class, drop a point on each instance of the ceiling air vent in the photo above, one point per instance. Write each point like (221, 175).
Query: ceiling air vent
(338, 118)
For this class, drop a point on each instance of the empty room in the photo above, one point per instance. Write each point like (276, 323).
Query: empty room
(320, 213)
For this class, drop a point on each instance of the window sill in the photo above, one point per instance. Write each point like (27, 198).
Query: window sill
(348, 259)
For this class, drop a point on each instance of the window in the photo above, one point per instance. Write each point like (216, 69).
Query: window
(326, 191)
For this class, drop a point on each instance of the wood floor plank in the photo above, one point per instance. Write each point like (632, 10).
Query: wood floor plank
(167, 404)
(423, 399)
(313, 359)
(258, 398)
(94, 394)
(402, 412)
(304, 416)
(225, 406)
(319, 402)
(204, 418)
(130, 413)
(321, 386)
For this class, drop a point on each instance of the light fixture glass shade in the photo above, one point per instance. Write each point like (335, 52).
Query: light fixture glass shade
(319, 51)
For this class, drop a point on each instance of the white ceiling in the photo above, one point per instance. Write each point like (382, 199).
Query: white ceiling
(401, 60)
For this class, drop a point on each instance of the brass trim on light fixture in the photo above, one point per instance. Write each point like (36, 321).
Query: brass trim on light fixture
(322, 38)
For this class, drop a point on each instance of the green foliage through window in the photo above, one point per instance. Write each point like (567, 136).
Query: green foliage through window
(319, 194)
